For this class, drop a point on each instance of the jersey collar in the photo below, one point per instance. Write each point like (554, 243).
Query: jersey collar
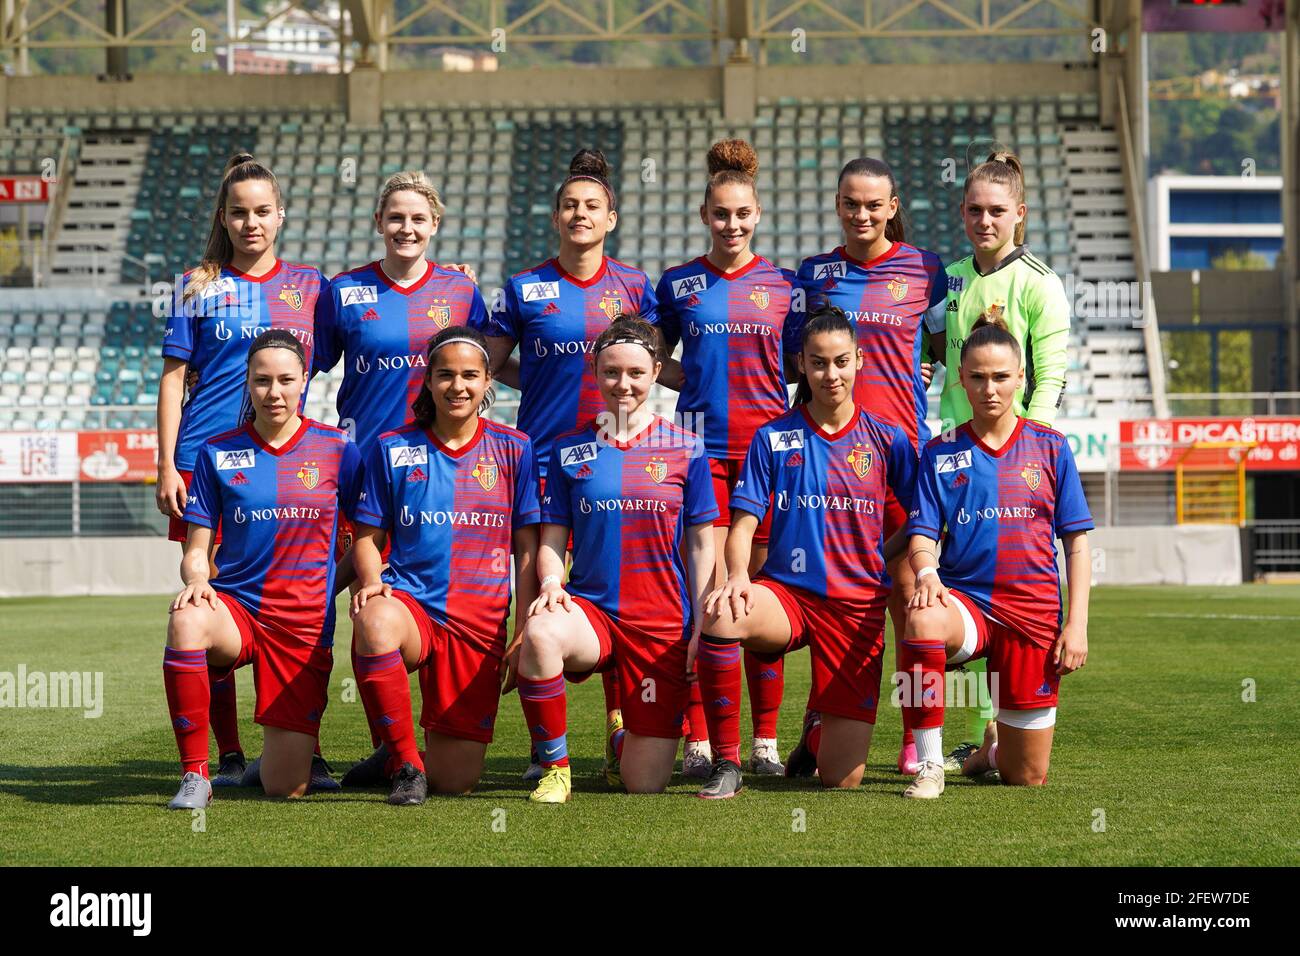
(1012, 256)
(867, 264)
(635, 440)
(583, 283)
(264, 277)
(836, 436)
(464, 449)
(704, 261)
(403, 289)
(287, 446)
(1006, 445)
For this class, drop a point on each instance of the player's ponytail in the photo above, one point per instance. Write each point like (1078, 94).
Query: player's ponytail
(423, 411)
(823, 318)
(1002, 167)
(991, 329)
(896, 228)
(274, 339)
(588, 164)
(731, 162)
(240, 168)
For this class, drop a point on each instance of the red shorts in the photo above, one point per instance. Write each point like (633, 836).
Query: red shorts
(725, 473)
(347, 533)
(460, 681)
(651, 673)
(895, 514)
(291, 676)
(1026, 678)
(847, 643)
(176, 527)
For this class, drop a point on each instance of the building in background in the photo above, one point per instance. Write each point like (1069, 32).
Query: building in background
(1196, 219)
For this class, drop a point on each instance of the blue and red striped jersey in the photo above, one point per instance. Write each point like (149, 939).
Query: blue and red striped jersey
(730, 325)
(451, 516)
(827, 493)
(555, 318)
(896, 300)
(213, 330)
(278, 510)
(383, 329)
(629, 505)
(1003, 511)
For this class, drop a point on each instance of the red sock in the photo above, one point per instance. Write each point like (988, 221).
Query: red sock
(922, 662)
(610, 681)
(185, 678)
(547, 714)
(695, 726)
(765, 678)
(223, 713)
(718, 666)
(365, 704)
(382, 679)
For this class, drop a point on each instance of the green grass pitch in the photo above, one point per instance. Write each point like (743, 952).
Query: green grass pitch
(1158, 760)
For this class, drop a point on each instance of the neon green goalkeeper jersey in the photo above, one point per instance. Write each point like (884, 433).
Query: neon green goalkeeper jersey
(1035, 309)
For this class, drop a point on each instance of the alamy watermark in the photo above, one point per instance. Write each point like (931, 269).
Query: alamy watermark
(82, 690)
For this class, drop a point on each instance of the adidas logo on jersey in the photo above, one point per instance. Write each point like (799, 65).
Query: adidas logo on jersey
(417, 475)
(960, 480)
(551, 309)
(239, 478)
(693, 300)
(370, 315)
(583, 472)
(794, 461)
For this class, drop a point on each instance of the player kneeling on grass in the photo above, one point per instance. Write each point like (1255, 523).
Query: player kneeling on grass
(276, 486)
(454, 494)
(630, 486)
(824, 469)
(1005, 488)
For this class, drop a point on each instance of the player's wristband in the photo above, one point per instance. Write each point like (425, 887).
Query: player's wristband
(924, 571)
(549, 579)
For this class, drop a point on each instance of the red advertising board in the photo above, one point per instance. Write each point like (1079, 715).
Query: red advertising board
(1155, 444)
(118, 455)
(24, 189)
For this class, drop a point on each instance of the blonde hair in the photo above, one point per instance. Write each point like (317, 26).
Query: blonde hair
(416, 182)
(240, 168)
(1002, 167)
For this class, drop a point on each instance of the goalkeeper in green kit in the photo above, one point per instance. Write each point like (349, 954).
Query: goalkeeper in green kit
(1002, 278)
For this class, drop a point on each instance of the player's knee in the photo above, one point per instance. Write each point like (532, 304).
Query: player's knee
(1024, 775)
(377, 628)
(187, 629)
(721, 624)
(839, 778)
(925, 622)
(284, 789)
(545, 632)
(453, 783)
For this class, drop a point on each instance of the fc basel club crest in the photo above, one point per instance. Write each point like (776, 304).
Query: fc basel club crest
(760, 296)
(486, 471)
(440, 312)
(291, 296)
(657, 469)
(309, 475)
(611, 303)
(1033, 475)
(860, 459)
(897, 287)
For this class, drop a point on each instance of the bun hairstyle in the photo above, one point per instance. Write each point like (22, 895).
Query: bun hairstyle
(822, 318)
(628, 329)
(731, 161)
(1002, 167)
(588, 164)
(991, 329)
(416, 182)
(241, 167)
(274, 339)
(896, 228)
(423, 410)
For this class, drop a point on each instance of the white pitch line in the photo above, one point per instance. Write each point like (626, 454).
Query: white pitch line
(1227, 617)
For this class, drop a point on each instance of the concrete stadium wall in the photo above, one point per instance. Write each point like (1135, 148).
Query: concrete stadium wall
(1180, 554)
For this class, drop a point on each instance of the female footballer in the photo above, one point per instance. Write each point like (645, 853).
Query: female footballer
(631, 488)
(895, 294)
(276, 486)
(452, 495)
(238, 290)
(1000, 488)
(1001, 278)
(824, 470)
(554, 312)
(729, 310)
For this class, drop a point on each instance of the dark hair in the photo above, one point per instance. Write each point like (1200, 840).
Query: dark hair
(423, 410)
(822, 318)
(241, 167)
(731, 161)
(896, 228)
(627, 328)
(991, 329)
(274, 339)
(588, 164)
(1002, 167)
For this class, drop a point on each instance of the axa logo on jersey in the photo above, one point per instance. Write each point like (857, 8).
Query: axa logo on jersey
(955, 462)
(539, 291)
(576, 454)
(230, 460)
(785, 441)
(829, 270)
(402, 456)
(359, 295)
(688, 286)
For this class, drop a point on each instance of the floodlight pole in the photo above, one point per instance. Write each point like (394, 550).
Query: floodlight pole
(1290, 264)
